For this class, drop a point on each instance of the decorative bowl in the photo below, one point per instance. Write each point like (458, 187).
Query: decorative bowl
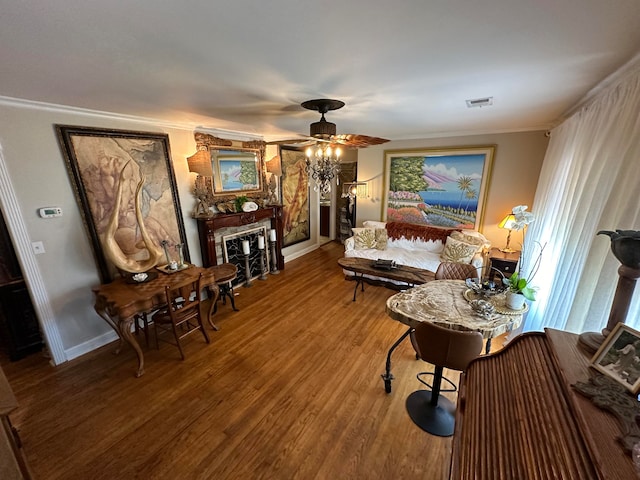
(140, 277)
(483, 308)
(486, 288)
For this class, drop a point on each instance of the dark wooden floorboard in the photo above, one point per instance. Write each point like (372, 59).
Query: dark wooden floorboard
(289, 388)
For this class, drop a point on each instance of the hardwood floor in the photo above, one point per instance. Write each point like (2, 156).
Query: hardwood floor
(289, 388)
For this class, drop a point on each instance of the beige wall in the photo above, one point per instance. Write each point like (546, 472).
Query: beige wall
(516, 167)
(38, 174)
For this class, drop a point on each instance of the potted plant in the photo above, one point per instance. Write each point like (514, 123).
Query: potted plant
(519, 284)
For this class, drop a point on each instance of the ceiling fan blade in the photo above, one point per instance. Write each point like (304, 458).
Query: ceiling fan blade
(299, 141)
(358, 141)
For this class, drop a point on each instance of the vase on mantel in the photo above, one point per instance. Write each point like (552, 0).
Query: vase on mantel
(514, 301)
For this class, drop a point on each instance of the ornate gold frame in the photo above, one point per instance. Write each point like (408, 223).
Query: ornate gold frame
(206, 142)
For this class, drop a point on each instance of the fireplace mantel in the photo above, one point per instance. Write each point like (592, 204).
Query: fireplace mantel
(207, 228)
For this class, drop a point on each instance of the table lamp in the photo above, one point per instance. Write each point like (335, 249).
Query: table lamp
(507, 222)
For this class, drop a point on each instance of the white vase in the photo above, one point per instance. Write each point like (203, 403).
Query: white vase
(514, 301)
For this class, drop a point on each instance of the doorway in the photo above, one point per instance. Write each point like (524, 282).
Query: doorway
(19, 329)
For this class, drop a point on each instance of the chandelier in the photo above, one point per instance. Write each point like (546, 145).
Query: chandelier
(323, 165)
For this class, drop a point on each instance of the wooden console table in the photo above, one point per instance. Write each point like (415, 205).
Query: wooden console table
(119, 302)
(207, 227)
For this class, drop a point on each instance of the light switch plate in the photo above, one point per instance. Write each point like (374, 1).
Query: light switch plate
(38, 247)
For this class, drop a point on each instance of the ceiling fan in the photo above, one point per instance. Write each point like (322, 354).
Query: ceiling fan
(323, 130)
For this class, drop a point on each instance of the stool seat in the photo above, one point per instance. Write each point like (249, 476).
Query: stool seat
(224, 272)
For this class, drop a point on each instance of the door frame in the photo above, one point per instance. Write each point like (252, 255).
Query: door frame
(32, 276)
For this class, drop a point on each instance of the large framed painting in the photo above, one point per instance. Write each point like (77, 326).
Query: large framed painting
(110, 170)
(441, 186)
(296, 211)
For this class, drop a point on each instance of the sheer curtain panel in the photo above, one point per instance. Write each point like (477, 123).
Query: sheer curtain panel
(590, 181)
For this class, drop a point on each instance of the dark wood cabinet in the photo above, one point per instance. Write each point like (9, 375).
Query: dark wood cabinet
(207, 227)
(19, 328)
(18, 322)
(505, 263)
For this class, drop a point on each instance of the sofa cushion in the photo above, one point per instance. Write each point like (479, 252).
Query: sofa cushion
(469, 239)
(457, 251)
(474, 233)
(381, 238)
(374, 224)
(365, 238)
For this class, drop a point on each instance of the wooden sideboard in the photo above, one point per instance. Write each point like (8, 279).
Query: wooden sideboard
(207, 227)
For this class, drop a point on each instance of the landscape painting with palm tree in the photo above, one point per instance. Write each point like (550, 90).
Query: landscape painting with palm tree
(435, 187)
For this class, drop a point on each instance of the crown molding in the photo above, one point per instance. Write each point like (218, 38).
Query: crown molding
(188, 126)
(611, 81)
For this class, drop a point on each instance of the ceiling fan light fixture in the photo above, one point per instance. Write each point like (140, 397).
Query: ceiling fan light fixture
(322, 128)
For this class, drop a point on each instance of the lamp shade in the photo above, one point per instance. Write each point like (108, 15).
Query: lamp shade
(200, 163)
(507, 222)
(274, 165)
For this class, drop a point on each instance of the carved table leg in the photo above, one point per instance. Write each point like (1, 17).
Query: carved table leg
(105, 316)
(126, 334)
(214, 294)
(123, 329)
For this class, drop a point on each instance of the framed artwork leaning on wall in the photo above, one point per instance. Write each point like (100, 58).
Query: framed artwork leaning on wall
(106, 164)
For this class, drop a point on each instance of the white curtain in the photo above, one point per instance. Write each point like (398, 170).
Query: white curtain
(590, 181)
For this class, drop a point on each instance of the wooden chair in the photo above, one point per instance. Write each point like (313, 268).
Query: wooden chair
(444, 348)
(182, 314)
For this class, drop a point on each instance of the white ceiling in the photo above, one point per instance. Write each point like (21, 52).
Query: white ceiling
(404, 68)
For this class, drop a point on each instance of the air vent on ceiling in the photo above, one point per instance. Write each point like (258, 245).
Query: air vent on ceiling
(480, 102)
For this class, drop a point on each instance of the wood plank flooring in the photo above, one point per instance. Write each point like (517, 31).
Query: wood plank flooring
(289, 388)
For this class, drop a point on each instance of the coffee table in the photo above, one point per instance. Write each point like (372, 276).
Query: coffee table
(402, 273)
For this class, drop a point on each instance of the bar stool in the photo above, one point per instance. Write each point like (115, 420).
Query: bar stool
(224, 274)
(443, 348)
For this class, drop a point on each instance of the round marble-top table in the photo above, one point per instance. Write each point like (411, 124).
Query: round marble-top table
(443, 302)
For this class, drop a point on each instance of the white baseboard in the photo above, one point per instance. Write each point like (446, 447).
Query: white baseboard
(90, 345)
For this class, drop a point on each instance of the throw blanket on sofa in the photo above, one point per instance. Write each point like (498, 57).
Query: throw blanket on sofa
(411, 231)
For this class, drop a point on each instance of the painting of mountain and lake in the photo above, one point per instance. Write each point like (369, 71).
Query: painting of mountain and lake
(443, 187)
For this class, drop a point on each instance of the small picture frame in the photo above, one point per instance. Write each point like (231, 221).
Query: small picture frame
(619, 357)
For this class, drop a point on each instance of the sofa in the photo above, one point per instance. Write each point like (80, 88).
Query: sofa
(420, 246)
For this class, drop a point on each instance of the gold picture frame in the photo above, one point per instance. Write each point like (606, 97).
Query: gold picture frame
(445, 187)
(99, 161)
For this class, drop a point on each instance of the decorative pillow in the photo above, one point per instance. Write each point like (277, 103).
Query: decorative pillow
(374, 224)
(469, 239)
(381, 238)
(457, 251)
(364, 238)
(475, 233)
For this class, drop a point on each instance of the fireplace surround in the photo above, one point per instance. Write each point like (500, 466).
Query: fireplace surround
(211, 231)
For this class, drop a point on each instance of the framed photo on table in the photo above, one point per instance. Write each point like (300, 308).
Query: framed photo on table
(102, 163)
(444, 187)
(619, 357)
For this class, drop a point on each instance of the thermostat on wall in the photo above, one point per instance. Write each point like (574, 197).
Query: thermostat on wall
(50, 212)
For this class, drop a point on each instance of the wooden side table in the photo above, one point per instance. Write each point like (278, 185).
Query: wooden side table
(506, 263)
